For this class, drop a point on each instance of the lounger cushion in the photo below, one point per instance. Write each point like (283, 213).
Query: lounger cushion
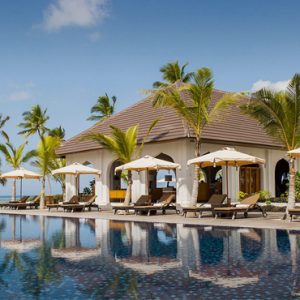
(205, 205)
(242, 206)
(158, 204)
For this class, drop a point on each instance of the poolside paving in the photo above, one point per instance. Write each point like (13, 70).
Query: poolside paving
(255, 220)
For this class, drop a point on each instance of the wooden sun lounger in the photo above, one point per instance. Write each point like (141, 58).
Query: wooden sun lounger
(28, 204)
(294, 212)
(246, 205)
(165, 203)
(142, 201)
(73, 200)
(215, 200)
(7, 204)
(79, 206)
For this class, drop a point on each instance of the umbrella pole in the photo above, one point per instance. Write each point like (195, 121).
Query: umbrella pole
(21, 188)
(227, 188)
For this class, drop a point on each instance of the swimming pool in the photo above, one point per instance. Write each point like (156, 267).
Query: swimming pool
(59, 258)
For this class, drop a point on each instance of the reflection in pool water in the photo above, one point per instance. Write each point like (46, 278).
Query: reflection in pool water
(47, 257)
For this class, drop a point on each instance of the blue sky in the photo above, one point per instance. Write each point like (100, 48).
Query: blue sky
(63, 54)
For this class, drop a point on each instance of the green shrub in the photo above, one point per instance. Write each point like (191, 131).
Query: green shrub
(242, 195)
(265, 195)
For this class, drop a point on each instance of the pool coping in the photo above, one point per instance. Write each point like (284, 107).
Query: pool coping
(273, 221)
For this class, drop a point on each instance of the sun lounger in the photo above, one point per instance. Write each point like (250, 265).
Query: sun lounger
(80, 206)
(7, 204)
(215, 200)
(246, 205)
(34, 203)
(142, 201)
(294, 212)
(73, 200)
(165, 203)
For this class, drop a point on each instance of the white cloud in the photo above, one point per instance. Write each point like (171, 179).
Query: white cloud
(81, 13)
(267, 84)
(94, 36)
(20, 96)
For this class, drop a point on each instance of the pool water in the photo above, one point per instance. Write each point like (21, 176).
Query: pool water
(55, 258)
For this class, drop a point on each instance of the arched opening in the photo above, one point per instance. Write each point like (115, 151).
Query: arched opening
(117, 183)
(87, 182)
(281, 177)
(210, 182)
(250, 177)
(161, 181)
(251, 244)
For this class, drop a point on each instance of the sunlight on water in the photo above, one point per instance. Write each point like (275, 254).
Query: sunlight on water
(50, 258)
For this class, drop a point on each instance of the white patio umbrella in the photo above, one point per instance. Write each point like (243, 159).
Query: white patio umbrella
(76, 169)
(21, 174)
(227, 157)
(148, 163)
(294, 153)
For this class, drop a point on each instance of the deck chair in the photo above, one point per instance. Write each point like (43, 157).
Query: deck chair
(74, 199)
(294, 212)
(80, 206)
(7, 204)
(142, 201)
(215, 200)
(163, 204)
(33, 203)
(246, 205)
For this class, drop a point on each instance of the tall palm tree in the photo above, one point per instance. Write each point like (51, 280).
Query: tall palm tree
(60, 178)
(15, 157)
(124, 145)
(196, 112)
(279, 115)
(171, 73)
(34, 122)
(3, 121)
(58, 132)
(104, 108)
(45, 155)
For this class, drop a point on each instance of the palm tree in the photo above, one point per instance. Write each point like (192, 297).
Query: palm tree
(58, 132)
(34, 122)
(60, 178)
(196, 112)
(3, 120)
(172, 72)
(124, 145)
(104, 108)
(279, 115)
(15, 157)
(45, 155)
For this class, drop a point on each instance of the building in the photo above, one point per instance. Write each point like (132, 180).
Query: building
(172, 140)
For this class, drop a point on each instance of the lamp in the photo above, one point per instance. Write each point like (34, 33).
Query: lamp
(168, 178)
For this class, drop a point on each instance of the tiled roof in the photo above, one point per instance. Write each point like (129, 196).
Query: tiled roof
(232, 127)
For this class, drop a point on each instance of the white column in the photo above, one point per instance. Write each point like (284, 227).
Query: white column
(70, 187)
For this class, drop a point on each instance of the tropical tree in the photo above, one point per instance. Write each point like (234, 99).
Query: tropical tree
(45, 156)
(60, 178)
(34, 122)
(279, 115)
(172, 72)
(193, 103)
(3, 121)
(58, 132)
(124, 145)
(15, 157)
(103, 109)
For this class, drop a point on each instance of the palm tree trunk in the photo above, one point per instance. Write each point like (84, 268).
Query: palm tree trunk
(291, 196)
(49, 185)
(14, 190)
(196, 175)
(42, 201)
(129, 189)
